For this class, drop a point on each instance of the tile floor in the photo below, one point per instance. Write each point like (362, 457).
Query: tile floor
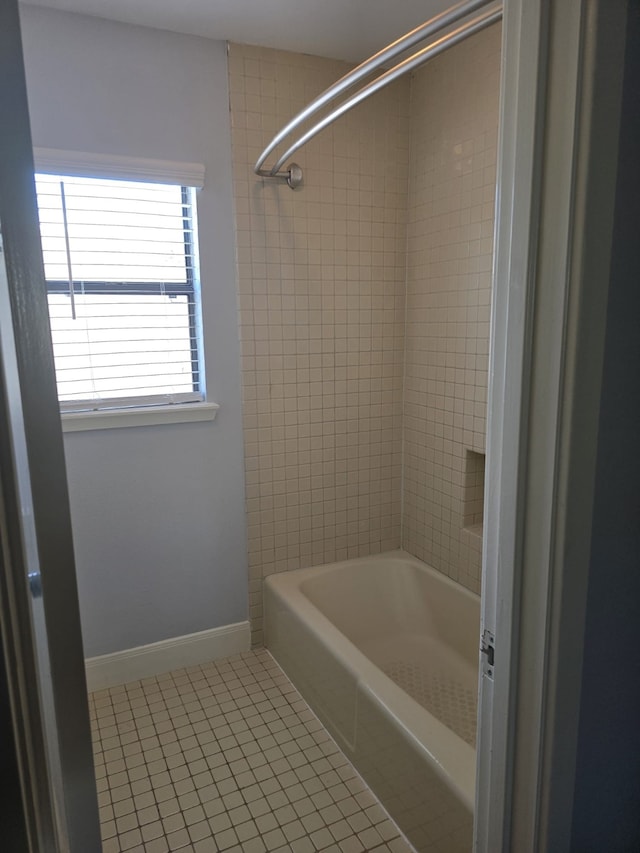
(227, 756)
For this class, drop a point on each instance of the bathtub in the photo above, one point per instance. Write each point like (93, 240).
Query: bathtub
(385, 651)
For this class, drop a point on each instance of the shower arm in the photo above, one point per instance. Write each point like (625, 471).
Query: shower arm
(293, 173)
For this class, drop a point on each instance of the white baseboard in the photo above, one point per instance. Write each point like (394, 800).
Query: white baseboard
(143, 661)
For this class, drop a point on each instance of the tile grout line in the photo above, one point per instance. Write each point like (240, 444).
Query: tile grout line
(234, 760)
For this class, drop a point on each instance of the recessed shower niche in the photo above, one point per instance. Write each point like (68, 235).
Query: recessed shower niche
(474, 492)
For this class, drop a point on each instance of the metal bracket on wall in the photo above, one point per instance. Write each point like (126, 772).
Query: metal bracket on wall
(292, 175)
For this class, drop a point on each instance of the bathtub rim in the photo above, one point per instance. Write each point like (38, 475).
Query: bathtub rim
(452, 759)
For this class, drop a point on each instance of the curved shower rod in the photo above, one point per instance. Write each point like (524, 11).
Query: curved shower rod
(293, 173)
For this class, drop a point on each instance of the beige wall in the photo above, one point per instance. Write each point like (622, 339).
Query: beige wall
(454, 121)
(322, 288)
(364, 312)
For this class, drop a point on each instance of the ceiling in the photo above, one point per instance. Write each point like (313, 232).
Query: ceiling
(344, 29)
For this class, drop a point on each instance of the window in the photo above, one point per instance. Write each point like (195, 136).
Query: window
(120, 263)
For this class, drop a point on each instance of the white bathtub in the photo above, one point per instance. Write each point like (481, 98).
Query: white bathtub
(385, 650)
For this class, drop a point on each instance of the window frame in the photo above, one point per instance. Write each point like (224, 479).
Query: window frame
(101, 413)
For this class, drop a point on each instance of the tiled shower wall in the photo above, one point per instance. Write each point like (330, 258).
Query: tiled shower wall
(322, 312)
(360, 438)
(454, 122)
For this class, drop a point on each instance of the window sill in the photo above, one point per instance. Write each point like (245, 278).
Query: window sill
(143, 416)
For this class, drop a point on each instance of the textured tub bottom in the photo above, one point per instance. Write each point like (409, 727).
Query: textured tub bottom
(434, 676)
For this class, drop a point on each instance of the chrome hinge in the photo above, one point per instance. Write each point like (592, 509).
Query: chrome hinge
(488, 650)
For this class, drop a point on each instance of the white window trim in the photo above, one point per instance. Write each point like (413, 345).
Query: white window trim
(136, 417)
(120, 403)
(54, 161)
(134, 413)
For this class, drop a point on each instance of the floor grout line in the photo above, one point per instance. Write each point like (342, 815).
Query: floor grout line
(227, 757)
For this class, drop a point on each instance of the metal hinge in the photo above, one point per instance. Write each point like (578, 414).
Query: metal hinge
(488, 650)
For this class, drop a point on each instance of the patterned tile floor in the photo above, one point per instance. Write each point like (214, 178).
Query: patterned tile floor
(227, 756)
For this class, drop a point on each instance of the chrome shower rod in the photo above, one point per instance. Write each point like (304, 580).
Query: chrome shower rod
(293, 173)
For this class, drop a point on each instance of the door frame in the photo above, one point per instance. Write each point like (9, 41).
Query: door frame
(562, 75)
(40, 638)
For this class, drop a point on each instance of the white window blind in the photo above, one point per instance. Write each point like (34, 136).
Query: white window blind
(121, 271)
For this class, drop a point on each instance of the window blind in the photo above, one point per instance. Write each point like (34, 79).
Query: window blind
(121, 272)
